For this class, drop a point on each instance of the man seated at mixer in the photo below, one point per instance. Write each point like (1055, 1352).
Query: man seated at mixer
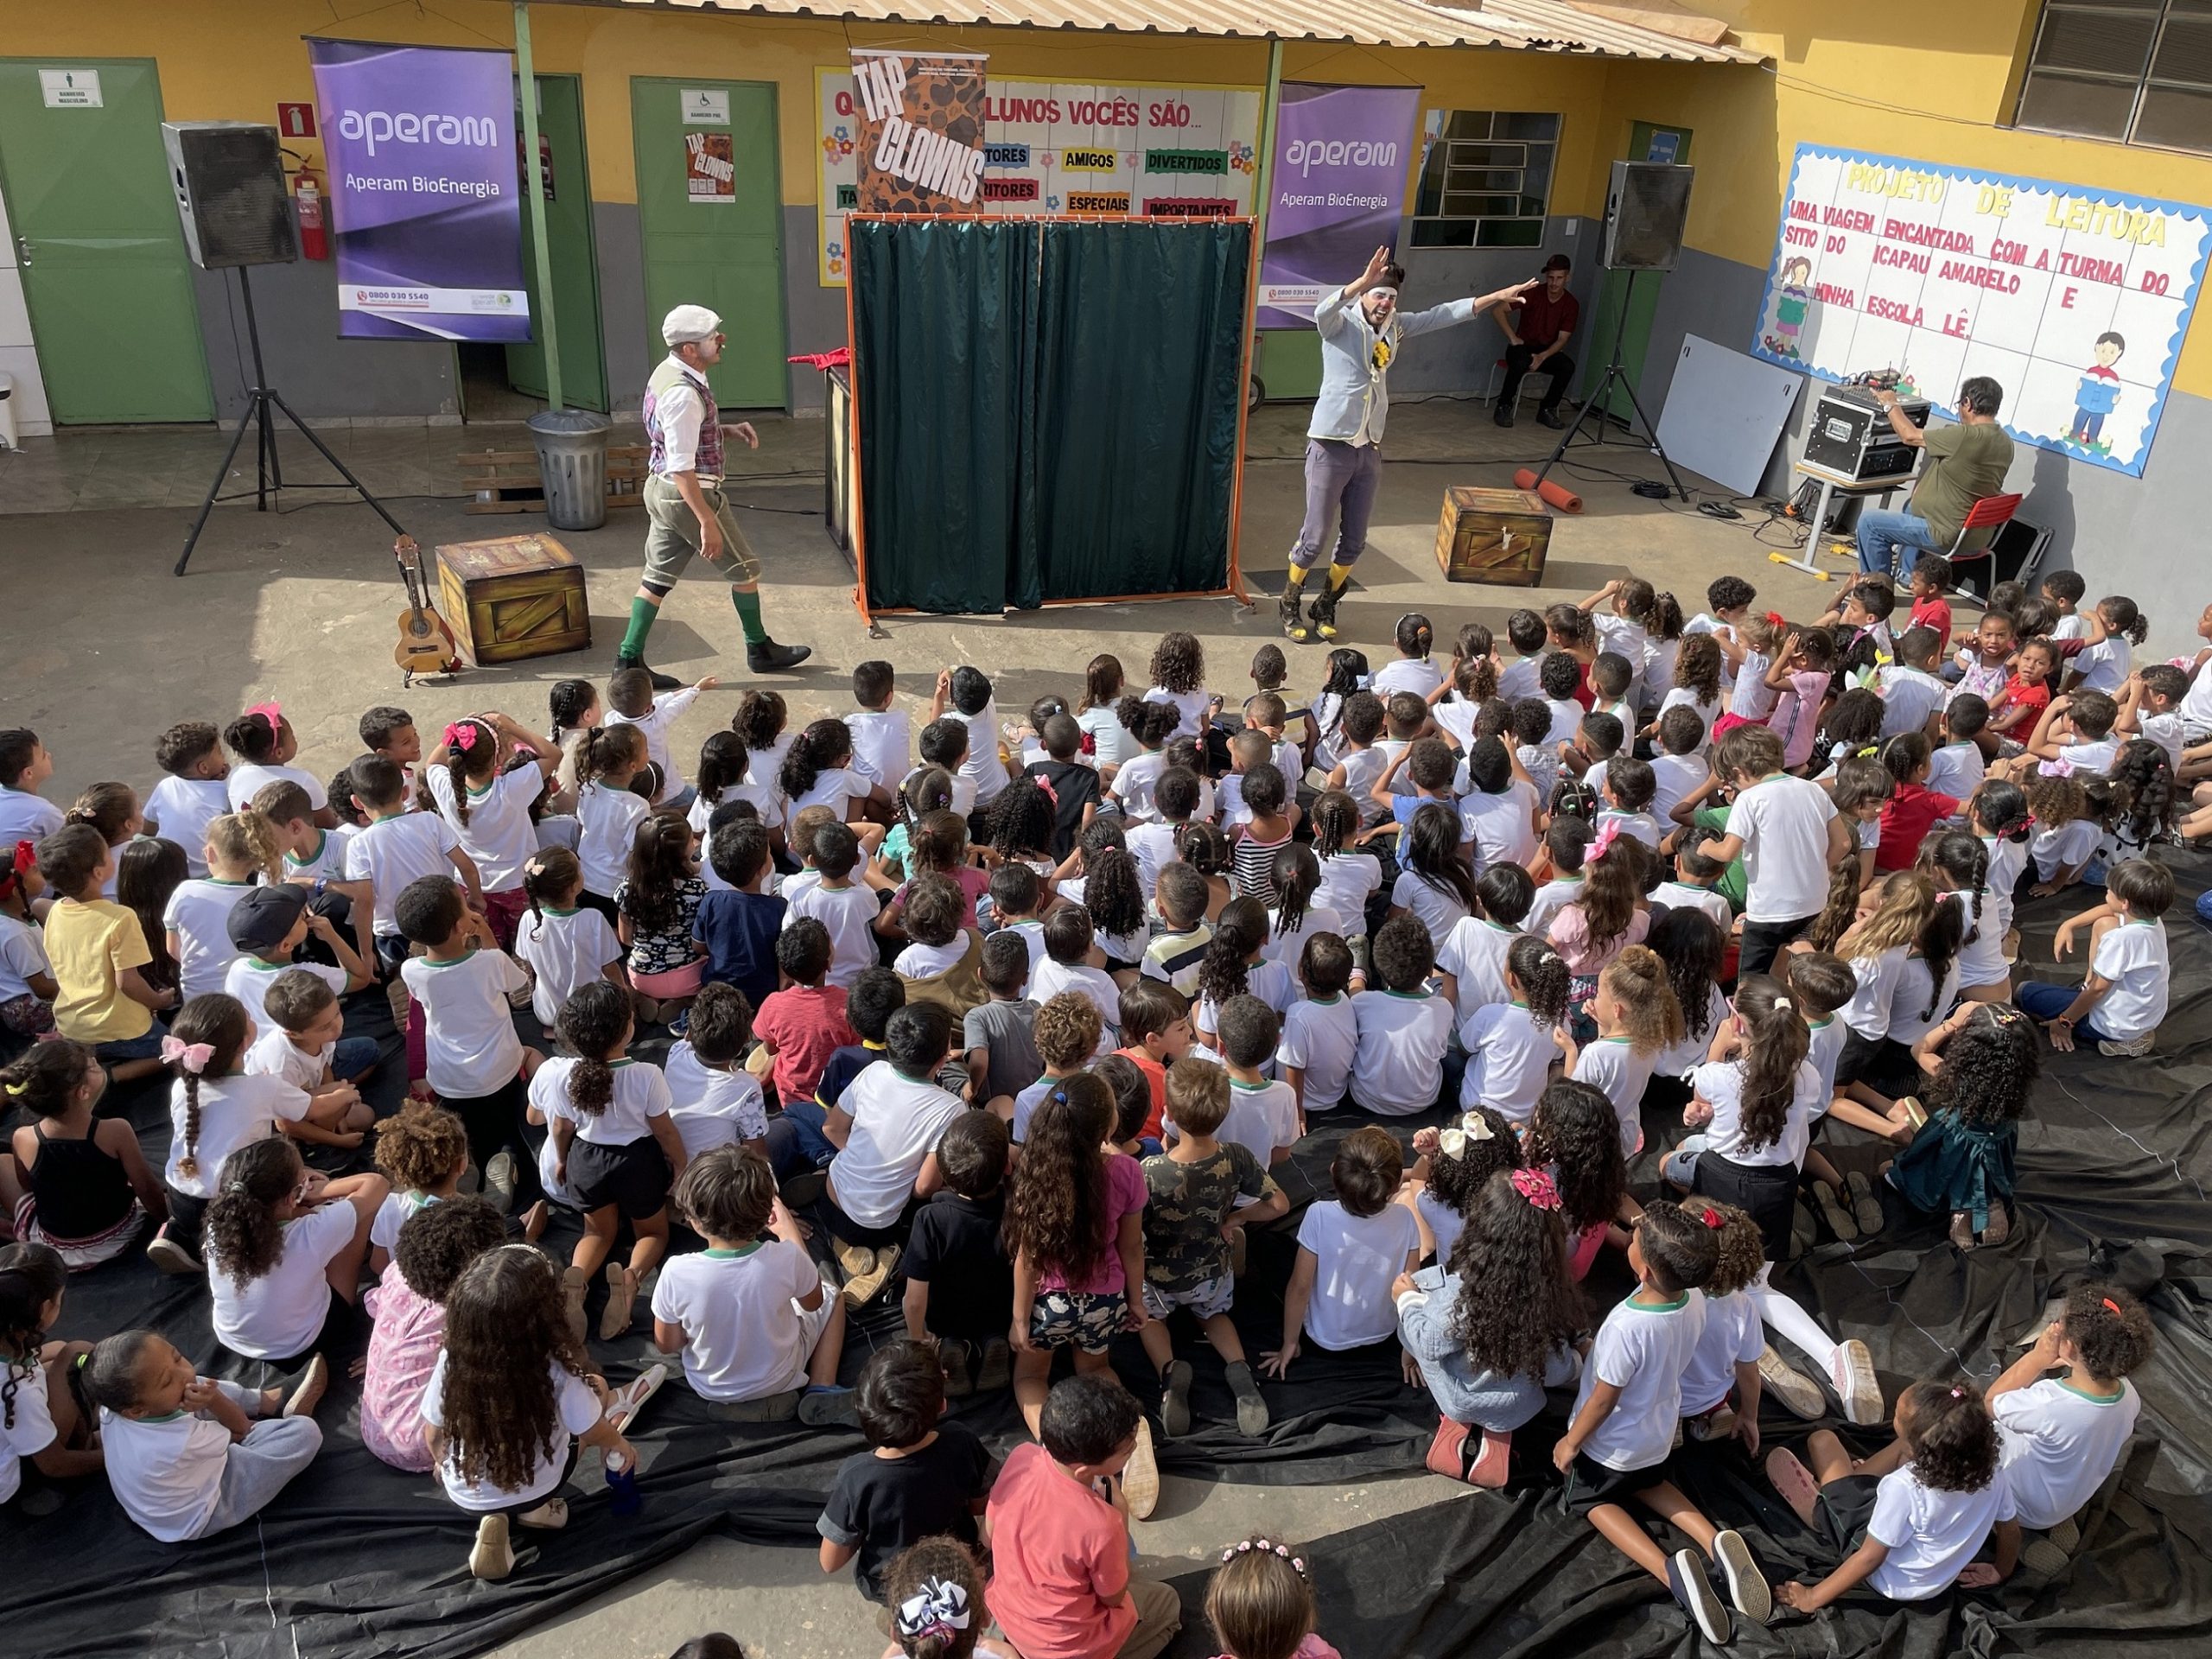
(1966, 462)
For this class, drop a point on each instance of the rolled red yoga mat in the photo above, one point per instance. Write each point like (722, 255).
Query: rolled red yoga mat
(1557, 495)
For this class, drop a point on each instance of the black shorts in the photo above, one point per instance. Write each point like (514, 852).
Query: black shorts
(1873, 1061)
(1842, 1511)
(1589, 1482)
(1765, 1192)
(633, 1177)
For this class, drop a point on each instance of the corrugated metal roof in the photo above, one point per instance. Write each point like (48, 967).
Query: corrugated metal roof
(1522, 25)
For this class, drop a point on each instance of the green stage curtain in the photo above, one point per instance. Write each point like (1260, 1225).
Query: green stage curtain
(1046, 411)
(941, 330)
(1132, 463)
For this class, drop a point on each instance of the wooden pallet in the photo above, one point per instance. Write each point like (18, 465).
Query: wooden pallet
(507, 481)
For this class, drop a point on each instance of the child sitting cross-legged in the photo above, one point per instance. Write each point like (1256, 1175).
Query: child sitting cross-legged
(41, 1420)
(422, 1152)
(303, 1042)
(713, 1099)
(1202, 1192)
(285, 1251)
(886, 1126)
(925, 1477)
(959, 1283)
(760, 1334)
(1350, 1248)
(433, 1246)
(87, 1188)
(1619, 1446)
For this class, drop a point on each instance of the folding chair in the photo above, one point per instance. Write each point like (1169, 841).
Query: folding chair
(1990, 512)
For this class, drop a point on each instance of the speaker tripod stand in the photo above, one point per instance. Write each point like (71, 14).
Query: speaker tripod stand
(260, 400)
(1616, 374)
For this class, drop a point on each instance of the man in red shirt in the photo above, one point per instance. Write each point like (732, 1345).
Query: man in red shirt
(1537, 340)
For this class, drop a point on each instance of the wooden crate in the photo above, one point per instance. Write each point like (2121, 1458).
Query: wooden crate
(507, 481)
(513, 597)
(1493, 536)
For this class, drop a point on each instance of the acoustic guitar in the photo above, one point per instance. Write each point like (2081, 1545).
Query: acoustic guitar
(426, 643)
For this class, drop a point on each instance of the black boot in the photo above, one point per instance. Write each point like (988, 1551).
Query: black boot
(661, 682)
(1325, 609)
(765, 656)
(1293, 625)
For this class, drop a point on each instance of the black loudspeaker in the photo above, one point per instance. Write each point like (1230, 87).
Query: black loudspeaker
(1646, 206)
(230, 191)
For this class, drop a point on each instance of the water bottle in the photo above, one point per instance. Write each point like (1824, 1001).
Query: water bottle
(622, 1482)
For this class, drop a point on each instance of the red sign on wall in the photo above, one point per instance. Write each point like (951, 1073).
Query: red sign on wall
(295, 120)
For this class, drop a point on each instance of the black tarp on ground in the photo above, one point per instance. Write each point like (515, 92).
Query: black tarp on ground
(357, 1559)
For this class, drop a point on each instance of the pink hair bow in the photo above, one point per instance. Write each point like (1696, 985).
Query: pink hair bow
(272, 711)
(2060, 767)
(193, 1056)
(1537, 1187)
(1606, 837)
(462, 735)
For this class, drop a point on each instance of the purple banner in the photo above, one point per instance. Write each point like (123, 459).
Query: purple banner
(424, 200)
(1338, 184)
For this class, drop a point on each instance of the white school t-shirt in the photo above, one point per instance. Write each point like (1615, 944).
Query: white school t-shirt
(469, 1029)
(1685, 1057)
(849, 913)
(983, 766)
(1358, 1258)
(1642, 1351)
(1509, 1054)
(1909, 696)
(1445, 1223)
(1732, 1337)
(1868, 1011)
(1289, 948)
(2057, 1444)
(836, 789)
(1681, 696)
(710, 1107)
(1153, 847)
(1502, 826)
(641, 1093)
(280, 1314)
(248, 979)
(234, 1110)
(1437, 910)
(1824, 1053)
(1262, 1116)
(1552, 897)
(1133, 784)
(1320, 1036)
(183, 808)
(922, 961)
(1673, 776)
(1956, 770)
(1783, 822)
(883, 744)
(1348, 879)
(2104, 665)
(1474, 953)
(575, 1405)
(2133, 956)
(1094, 985)
(743, 1339)
(1612, 1063)
(608, 820)
(498, 835)
(326, 861)
(1189, 708)
(1719, 1085)
(199, 914)
(1931, 1534)
(897, 1122)
(1398, 1068)
(1917, 1004)
(166, 1471)
(654, 723)
(247, 780)
(1111, 742)
(392, 1215)
(2067, 846)
(31, 1433)
(1418, 674)
(565, 950)
(1681, 895)
(393, 852)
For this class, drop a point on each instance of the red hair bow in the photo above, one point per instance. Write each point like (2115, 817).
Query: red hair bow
(1711, 1217)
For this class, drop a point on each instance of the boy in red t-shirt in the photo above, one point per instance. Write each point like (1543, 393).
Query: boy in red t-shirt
(1156, 1026)
(1913, 809)
(804, 1025)
(1931, 580)
(1061, 1586)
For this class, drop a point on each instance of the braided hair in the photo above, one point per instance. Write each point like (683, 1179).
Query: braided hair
(222, 1024)
(595, 1021)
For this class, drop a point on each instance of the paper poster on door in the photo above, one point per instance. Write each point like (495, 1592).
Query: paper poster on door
(70, 89)
(710, 168)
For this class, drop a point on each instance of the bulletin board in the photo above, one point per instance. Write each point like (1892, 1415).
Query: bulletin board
(2074, 300)
(1062, 148)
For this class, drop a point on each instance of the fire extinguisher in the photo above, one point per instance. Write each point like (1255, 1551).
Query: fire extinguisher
(314, 240)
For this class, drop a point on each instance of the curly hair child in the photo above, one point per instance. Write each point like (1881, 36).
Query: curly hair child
(430, 1251)
(1961, 1160)
(261, 1225)
(1575, 1137)
(1720, 1388)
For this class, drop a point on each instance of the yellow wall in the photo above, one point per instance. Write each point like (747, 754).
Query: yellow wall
(1930, 82)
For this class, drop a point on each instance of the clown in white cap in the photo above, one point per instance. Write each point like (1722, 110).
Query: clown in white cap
(685, 511)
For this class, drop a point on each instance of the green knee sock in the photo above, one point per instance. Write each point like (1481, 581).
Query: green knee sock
(748, 616)
(643, 614)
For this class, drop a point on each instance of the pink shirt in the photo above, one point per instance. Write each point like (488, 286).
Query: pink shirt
(403, 1349)
(1125, 1196)
(1570, 936)
(1796, 716)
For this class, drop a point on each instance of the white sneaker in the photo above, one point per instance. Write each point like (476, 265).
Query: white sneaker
(1792, 1387)
(1851, 1371)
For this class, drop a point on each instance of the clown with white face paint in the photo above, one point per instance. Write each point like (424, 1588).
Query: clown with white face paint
(1362, 330)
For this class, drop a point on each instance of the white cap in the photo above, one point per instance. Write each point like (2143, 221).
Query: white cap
(688, 324)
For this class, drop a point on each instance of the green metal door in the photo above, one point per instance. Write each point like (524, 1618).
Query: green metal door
(104, 271)
(722, 246)
(571, 250)
(1646, 143)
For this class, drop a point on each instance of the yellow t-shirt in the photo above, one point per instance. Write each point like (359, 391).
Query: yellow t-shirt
(90, 946)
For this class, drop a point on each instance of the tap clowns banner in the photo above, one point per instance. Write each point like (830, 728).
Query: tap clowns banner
(2074, 300)
(424, 193)
(920, 148)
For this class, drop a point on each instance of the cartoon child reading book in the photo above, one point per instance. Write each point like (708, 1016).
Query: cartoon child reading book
(1791, 304)
(2099, 392)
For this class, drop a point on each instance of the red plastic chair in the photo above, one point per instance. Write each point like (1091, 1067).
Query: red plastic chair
(1988, 513)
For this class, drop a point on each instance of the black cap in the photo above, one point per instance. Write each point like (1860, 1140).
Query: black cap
(264, 915)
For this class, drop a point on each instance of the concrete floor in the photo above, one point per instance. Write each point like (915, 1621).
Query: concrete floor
(106, 649)
(301, 605)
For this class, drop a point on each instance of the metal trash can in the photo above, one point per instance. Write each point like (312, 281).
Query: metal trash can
(572, 460)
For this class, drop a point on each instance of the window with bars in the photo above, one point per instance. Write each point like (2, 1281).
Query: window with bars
(1487, 180)
(2137, 71)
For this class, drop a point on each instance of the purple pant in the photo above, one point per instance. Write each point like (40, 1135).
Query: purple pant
(1340, 479)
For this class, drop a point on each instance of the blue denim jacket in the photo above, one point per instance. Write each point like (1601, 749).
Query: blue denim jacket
(1352, 380)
